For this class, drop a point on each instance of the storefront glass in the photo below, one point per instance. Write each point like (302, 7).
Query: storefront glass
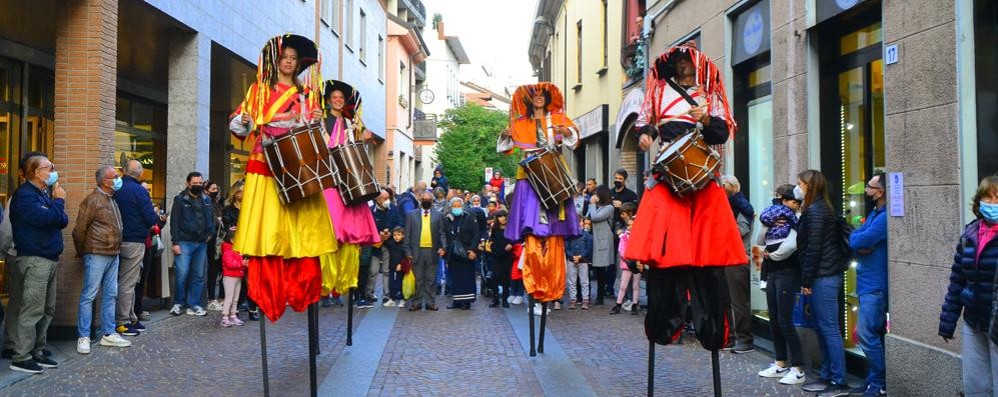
(986, 57)
(139, 135)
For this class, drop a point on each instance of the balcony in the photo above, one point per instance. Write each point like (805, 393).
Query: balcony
(416, 11)
(425, 127)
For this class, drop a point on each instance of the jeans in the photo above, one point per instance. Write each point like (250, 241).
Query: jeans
(99, 271)
(826, 294)
(189, 268)
(980, 363)
(871, 329)
(781, 288)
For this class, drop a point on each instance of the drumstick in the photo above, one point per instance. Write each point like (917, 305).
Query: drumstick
(690, 110)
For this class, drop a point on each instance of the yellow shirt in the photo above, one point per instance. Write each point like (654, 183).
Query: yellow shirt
(425, 238)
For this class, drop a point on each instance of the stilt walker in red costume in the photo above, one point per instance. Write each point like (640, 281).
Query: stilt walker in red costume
(283, 242)
(684, 230)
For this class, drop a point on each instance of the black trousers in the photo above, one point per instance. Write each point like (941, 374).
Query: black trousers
(501, 269)
(604, 284)
(213, 280)
(781, 290)
(679, 295)
(140, 287)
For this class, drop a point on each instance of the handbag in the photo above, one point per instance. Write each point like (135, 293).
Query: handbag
(456, 248)
(802, 311)
(157, 244)
(408, 285)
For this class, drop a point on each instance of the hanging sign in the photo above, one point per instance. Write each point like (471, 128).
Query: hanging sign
(896, 193)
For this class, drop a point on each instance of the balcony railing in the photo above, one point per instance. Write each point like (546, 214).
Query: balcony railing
(425, 127)
(418, 11)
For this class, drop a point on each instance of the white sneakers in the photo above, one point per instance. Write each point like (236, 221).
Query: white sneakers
(175, 310)
(114, 340)
(788, 376)
(400, 304)
(215, 306)
(389, 303)
(196, 311)
(83, 345)
(515, 300)
(774, 371)
(793, 377)
(627, 305)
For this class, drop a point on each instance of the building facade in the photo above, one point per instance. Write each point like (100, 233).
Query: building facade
(406, 51)
(849, 87)
(95, 82)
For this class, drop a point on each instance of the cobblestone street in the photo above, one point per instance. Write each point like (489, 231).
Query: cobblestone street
(445, 353)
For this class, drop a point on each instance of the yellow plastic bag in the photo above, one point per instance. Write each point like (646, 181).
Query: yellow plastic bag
(408, 285)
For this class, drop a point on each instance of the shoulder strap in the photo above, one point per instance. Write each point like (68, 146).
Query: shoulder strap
(672, 83)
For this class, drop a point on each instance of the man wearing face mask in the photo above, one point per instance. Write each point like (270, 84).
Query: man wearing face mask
(385, 219)
(137, 217)
(97, 237)
(37, 218)
(192, 224)
(869, 244)
(424, 248)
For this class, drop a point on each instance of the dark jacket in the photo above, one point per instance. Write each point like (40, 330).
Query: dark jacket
(582, 246)
(407, 202)
(37, 221)
(440, 182)
(462, 228)
(230, 216)
(497, 245)
(818, 244)
(414, 228)
(137, 214)
(396, 252)
(386, 218)
(971, 284)
(192, 220)
(98, 226)
(481, 219)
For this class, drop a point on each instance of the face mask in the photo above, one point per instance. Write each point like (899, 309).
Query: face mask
(117, 184)
(197, 190)
(213, 194)
(989, 212)
(798, 193)
(53, 178)
(384, 204)
(618, 184)
(427, 204)
(457, 211)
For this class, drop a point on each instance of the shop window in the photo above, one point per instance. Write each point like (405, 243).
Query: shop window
(860, 39)
(140, 135)
(986, 56)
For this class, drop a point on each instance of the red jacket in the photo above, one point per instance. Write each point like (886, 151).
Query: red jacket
(232, 262)
(516, 273)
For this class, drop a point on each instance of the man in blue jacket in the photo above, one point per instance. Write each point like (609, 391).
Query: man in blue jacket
(137, 217)
(37, 218)
(869, 243)
(192, 222)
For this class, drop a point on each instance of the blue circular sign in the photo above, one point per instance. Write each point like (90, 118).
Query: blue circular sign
(752, 33)
(846, 4)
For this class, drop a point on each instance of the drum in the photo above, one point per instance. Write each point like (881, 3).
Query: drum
(300, 163)
(687, 164)
(548, 175)
(354, 173)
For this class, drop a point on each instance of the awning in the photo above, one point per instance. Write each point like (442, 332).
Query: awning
(629, 109)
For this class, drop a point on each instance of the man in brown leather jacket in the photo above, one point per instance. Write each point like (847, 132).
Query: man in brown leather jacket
(97, 237)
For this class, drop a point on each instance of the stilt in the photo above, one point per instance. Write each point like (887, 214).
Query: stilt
(544, 317)
(313, 350)
(717, 372)
(530, 313)
(315, 321)
(651, 368)
(263, 353)
(350, 318)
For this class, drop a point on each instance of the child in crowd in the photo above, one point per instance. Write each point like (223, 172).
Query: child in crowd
(398, 267)
(233, 270)
(517, 290)
(630, 271)
(579, 253)
(500, 250)
(627, 212)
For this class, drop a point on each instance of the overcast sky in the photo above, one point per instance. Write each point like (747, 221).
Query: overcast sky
(493, 33)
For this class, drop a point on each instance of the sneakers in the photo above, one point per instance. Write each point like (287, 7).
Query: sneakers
(557, 305)
(742, 348)
(835, 390)
(400, 304)
(585, 305)
(389, 303)
(627, 305)
(571, 305)
(138, 327)
(774, 371)
(114, 340)
(214, 306)
(196, 311)
(175, 310)
(83, 345)
(45, 362)
(225, 322)
(874, 392)
(326, 302)
(615, 309)
(234, 320)
(28, 366)
(793, 377)
(816, 386)
(361, 304)
(126, 329)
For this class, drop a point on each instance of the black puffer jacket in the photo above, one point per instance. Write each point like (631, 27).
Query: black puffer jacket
(818, 247)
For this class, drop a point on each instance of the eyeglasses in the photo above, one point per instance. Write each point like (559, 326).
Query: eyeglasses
(868, 186)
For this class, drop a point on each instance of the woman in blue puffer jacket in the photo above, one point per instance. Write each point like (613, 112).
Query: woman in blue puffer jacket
(970, 292)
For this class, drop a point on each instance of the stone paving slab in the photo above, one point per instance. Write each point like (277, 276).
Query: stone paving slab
(194, 356)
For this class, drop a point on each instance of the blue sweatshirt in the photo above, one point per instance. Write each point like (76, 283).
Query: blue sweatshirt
(37, 221)
(137, 214)
(871, 269)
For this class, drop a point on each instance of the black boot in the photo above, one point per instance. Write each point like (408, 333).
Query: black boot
(634, 309)
(495, 302)
(599, 300)
(615, 309)
(254, 315)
